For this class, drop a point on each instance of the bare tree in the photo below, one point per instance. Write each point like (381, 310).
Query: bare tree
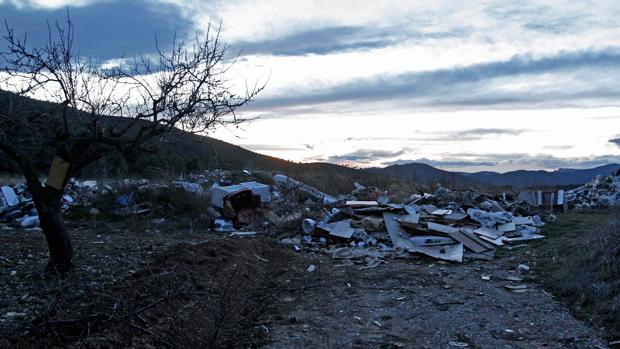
(127, 108)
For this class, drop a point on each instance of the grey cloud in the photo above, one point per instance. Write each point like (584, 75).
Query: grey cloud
(336, 39)
(365, 139)
(319, 41)
(616, 141)
(366, 155)
(474, 134)
(468, 86)
(559, 147)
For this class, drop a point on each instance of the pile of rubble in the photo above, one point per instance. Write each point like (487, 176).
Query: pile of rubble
(366, 223)
(600, 192)
(16, 203)
(445, 225)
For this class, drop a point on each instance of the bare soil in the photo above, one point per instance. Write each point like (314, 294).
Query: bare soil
(420, 303)
(137, 286)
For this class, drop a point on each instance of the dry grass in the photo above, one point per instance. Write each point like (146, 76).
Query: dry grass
(580, 262)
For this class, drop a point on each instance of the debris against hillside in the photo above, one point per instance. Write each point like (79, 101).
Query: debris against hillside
(366, 226)
(600, 192)
(363, 225)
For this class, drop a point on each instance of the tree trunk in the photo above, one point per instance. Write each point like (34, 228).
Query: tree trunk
(58, 238)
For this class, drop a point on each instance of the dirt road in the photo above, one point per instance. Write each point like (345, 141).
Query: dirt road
(419, 303)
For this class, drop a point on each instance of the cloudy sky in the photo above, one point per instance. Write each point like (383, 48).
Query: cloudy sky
(460, 85)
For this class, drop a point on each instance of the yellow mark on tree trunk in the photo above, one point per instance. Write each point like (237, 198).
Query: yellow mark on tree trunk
(58, 173)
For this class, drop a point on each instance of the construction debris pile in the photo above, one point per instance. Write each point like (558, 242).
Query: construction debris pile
(600, 192)
(16, 203)
(445, 225)
(364, 224)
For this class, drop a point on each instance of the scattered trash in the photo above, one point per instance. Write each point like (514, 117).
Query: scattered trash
(523, 268)
(520, 288)
(311, 268)
(223, 226)
(308, 225)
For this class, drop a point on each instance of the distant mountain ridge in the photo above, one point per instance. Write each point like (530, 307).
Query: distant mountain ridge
(427, 174)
